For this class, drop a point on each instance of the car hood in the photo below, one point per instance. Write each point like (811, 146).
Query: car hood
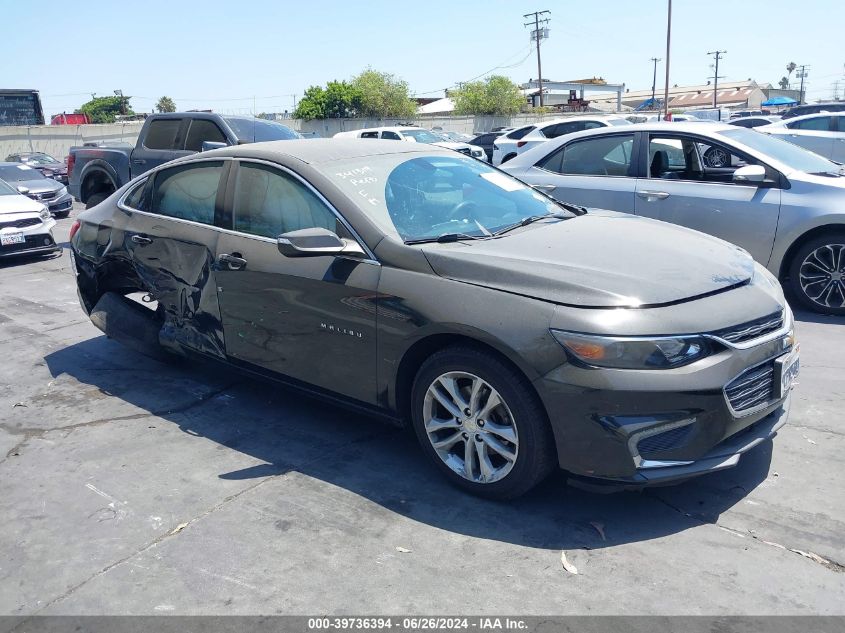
(602, 260)
(41, 185)
(56, 168)
(452, 145)
(16, 204)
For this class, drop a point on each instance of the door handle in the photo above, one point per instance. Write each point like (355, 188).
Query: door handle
(653, 195)
(139, 161)
(140, 239)
(233, 261)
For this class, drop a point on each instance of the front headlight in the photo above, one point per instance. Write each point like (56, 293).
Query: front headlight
(633, 352)
(44, 213)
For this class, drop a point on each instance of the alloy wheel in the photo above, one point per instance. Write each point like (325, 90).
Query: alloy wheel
(822, 276)
(470, 427)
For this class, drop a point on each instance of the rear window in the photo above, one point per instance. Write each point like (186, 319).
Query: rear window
(162, 134)
(256, 130)
(518, 134)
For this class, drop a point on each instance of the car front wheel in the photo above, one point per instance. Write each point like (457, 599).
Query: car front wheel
(481, 424)
(817, 274)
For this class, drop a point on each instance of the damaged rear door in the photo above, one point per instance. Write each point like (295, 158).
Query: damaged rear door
(172, 244)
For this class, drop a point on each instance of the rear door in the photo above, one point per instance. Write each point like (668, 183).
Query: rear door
(163, 138)
(689, 181)
(594, 172)
(309, 318)
(815, 134)
(172, 233)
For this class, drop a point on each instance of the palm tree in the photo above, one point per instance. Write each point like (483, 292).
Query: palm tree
(790, 68)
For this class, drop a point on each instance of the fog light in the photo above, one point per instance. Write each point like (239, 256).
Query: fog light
(46, 241)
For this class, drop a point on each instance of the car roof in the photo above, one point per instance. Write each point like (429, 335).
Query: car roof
(579, 117)
(323, 150)
(816, 115)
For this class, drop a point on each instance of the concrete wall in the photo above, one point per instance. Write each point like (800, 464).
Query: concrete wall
(56, 140)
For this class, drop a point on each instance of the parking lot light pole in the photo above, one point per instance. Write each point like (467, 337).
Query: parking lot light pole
(668, 43)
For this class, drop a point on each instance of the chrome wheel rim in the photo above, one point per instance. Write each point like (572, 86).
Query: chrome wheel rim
(822, 276)
(717, 157)
(470, 427)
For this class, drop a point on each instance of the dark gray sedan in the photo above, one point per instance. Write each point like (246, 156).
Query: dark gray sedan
(514, 334)
(31, 182)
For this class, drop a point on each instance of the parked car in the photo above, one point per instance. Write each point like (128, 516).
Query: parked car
(812, 108)
(32, 183)
(752, 121)
(428, 287)
(46, 164)
(457, 137)
(822, 133)
(485, 142)
(783, 204)
(502, 146)
(511, 145)
(413, 135)
(96, 173)
(26, 226)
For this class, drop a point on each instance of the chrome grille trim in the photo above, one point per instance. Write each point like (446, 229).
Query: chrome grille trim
(752, 390)
(752, 333)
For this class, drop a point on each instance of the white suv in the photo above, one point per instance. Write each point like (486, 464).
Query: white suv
(414, 135)
(822, 133)
(526, 137)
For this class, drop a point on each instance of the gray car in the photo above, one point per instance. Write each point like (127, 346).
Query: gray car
(32, 183)
(783, 204)
(514, 334)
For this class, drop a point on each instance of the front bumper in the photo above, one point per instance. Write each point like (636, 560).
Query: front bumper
(39, 240)
(60, 205)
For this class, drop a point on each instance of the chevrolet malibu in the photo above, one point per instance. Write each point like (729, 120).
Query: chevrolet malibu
(513, 334)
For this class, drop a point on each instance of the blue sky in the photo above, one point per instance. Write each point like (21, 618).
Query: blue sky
(221, 54)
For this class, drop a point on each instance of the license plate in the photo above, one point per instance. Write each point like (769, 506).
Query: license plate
(786, 372)
(7, 239)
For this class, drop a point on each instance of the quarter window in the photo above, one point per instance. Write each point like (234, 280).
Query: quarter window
(369, 134)
(136, 199)
(393, 136)
(188, 192)
(162, 134)
(600, 156)
(269, 203)
(201, 131)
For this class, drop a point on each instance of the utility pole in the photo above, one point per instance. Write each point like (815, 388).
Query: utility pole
(836, 90)
(716, 79)
(654, 79)
(802, 74)
(536, 36)
(668, 43)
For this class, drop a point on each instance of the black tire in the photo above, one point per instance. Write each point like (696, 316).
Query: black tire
(97, 198)
(816, 296)
(536, 457)
(61, 215)
(507, 158)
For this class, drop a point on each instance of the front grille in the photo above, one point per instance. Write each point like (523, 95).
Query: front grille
(20, 224)
(752, 329)
(32, 241)
(662, 442)
(753, 387)
(47, 195)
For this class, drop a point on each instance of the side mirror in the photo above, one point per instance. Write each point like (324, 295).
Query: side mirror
(316, 242)
(23, 190)
(750, 174)
(210, 145)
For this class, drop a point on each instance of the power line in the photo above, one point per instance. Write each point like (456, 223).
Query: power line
(502, 66)
(536, 35)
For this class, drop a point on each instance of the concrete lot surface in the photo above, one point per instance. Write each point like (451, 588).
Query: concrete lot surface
(132, 487)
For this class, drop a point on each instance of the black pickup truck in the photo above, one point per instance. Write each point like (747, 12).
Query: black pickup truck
(97, 172)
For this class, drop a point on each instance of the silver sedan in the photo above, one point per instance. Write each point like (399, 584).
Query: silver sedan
(783, 204)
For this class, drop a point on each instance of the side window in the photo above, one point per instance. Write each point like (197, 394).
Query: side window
(592, 125)
(602, 156)
(136, 198)
(819, 123)
(269, 203)
(518, 134)
(369, 134)
(162, 134)
(393, 136)
(200, 131)
(187, 192)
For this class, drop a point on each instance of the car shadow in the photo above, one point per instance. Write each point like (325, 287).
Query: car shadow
(366, 456)
(14, 261)
(806, 316)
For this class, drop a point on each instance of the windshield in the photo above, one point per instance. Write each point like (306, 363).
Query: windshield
(40, 159)
(19, 173)
(422, 136)
(6, 190)
(790, 155)
(430, 196)
(254, 130)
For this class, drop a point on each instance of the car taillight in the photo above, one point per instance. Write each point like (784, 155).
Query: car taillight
(70, 160)
(73, 229)
(521, 143)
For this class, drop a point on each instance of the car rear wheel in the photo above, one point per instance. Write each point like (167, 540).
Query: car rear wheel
(481, 424)
(817, 274)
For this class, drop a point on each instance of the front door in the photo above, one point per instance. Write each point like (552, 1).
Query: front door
(593, 172)
(309, 318)
(689, 181)
(158, 145)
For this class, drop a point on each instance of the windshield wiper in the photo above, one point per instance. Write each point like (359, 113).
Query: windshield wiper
(449, 237)
(530, 220)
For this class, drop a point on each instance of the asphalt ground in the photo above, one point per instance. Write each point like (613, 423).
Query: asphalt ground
(132, 487)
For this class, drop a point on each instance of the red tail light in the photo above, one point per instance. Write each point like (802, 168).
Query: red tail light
(521, 143)
(70, 160)
(73, 230)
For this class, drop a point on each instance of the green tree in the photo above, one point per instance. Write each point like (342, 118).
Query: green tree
(166, 104)
(784, 83)
(495, 95)
(341, 100)
(312, 105)
(104, 109)
(382, 95)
